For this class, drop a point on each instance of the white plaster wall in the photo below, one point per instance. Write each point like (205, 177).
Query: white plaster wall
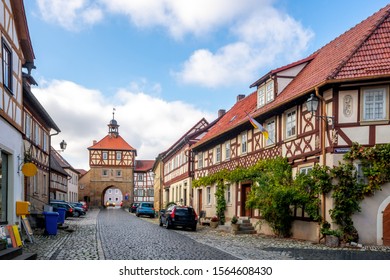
(358, 134)
(11, 142)
(369, 222)
(382, 134)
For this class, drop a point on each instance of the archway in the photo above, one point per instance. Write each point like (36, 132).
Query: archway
(112, 195)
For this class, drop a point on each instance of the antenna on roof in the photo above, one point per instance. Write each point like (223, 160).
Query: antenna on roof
(113, 113)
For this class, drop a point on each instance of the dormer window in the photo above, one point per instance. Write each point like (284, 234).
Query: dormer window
(261, 97)
(270, 91)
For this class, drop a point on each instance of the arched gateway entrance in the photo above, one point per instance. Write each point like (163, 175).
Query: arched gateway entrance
(112, 194)
(386, 226)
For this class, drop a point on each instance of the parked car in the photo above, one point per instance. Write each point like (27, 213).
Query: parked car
(145, 208)
(181, 216)
(78, 209)
(134, 207)
(61, 204)
(85, 205)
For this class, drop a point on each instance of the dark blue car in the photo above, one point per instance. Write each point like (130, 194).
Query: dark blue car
(146, 209)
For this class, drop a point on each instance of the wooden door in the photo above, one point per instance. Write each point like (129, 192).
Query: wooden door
(386, 226)
(245, 190)
(200, 201)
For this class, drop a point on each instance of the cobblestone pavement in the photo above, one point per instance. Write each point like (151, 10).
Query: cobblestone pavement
(142, 238)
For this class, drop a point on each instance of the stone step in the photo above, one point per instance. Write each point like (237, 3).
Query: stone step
(245, 232)
(16, 254)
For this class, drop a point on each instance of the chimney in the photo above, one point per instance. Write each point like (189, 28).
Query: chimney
(221, 112)
(94, 142)
(240, 97)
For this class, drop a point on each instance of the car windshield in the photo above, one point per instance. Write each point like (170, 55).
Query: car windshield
(184, 211)
(149, 205)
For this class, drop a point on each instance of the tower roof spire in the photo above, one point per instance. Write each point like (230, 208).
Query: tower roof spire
(113, 127)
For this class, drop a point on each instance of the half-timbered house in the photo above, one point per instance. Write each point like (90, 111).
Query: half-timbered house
(143, 181)
(350, 78)
(21, 130)
(112, 163)
(178, 166)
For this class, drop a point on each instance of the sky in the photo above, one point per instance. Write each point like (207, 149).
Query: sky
(166, 64)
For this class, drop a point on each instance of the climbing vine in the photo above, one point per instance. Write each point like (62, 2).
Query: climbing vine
(274, 190)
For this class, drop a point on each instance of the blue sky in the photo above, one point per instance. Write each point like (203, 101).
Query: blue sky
(166, 64)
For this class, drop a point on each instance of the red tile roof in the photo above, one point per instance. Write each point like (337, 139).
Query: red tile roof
(112, 143)
(361, 52)
(143, 165)
(232, 118)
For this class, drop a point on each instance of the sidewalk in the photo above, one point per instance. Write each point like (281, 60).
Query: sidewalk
(80, 241)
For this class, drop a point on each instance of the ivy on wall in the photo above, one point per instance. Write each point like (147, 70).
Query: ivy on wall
(274, 190)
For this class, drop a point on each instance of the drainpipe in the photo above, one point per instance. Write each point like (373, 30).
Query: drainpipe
(323, 146)
(50, 135)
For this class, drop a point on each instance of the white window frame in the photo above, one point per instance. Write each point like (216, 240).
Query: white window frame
(200, 160)
(228, 194)
(218, 154)
(261, 96)
(140, 177)
(271, 129)
(118, 155)
(378, 109)
(244, 142)
(291, 123)
(208, 195)
(269, 91)
(27, 126)
(305, 169)
(104, 155)
(227, 150)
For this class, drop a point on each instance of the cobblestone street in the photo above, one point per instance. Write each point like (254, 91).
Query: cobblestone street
(118, 234)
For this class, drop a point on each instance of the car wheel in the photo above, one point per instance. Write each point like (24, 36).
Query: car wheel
(161, 223)
(193, 228)
(167, 224)
(76, 214)
(137, 214)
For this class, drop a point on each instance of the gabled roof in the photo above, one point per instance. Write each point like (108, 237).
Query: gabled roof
(232, 118)
(61, 161)
(112, 143)
(361, 52)
(143, 165)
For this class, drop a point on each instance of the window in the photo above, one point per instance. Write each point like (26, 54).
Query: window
(290, 123)
(36, 134)
(109, 191)
(208, 195)
(119, 173)
(35, 184)
(3, 187)
(105, 155)
(105, 172)
(218, 154)
(261, 97)
(361, 177)
(271, 132)
(45, 188)
(116, 191)
(200, 160)
(118, 155)
(7, 66)
(269, 91)
(27, 126)
(244, 142)
(45, 141)
(227, 150)
(374, 106)
(228, 194)
(150, 192)
(305, 170)
(140, 177)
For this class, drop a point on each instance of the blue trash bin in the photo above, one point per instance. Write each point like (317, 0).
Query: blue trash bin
(51, 219)
(61, 215)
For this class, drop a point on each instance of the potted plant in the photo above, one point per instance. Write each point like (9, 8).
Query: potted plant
(235, 224)
(332, 236)
(214, 221)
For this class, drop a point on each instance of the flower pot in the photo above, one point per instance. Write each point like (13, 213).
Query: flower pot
(214, 224)
(332, 241)
(235, 227)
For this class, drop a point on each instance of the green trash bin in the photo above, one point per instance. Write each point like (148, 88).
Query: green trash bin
(51, 219)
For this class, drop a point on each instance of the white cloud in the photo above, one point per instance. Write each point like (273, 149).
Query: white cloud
(149, 124)
(260, 40)
(70, 14)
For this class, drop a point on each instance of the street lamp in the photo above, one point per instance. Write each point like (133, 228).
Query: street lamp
(312, 106)
(63, 145)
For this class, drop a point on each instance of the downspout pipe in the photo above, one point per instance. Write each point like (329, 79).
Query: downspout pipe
(54, 134)
(323, 150)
